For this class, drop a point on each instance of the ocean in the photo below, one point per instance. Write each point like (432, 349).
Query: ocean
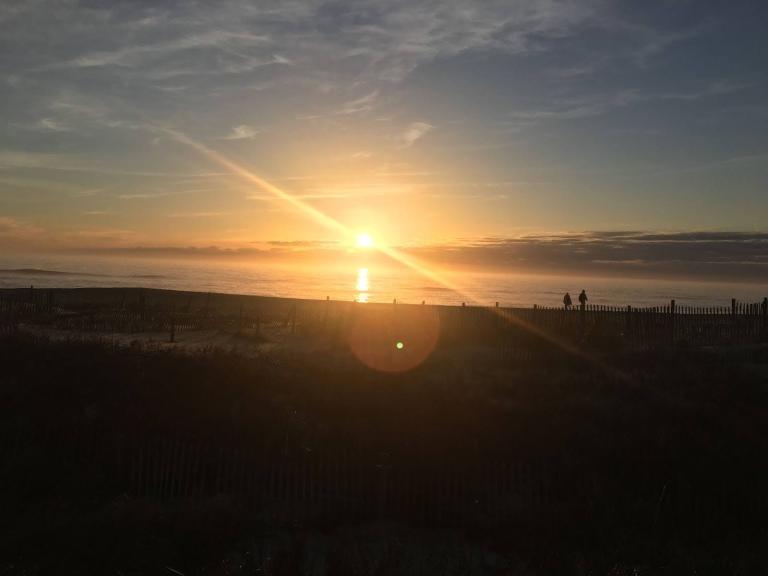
(361, 283)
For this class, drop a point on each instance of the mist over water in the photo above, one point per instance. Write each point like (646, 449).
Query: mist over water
(354, 282)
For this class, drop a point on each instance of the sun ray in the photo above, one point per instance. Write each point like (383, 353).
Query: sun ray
(397, 255)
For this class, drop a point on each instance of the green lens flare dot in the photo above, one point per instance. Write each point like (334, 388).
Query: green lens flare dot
(399, 345)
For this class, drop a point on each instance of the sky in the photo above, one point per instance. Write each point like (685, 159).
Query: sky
(497, 132)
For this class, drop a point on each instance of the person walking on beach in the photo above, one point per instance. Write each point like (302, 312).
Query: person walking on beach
(567, 302)
(583, 298)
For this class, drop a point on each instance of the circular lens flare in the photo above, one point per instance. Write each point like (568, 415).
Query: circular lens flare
(378, 334)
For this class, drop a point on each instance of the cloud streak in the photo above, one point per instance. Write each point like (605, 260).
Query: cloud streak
(241, 132)
(704, 255)
(365, 42)
(708, 256)
(597, 105)
(414, 132)
(136, 55)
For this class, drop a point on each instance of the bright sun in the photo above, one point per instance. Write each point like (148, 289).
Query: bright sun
(364, 241)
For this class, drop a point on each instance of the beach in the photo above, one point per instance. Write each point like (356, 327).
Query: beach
(233, 447)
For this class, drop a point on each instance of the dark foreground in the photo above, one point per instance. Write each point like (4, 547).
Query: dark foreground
(301, 459)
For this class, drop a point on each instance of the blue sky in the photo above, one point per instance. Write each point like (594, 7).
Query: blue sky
(427, 123)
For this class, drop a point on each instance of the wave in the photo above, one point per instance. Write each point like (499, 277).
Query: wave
(435, 289)
(147, 276)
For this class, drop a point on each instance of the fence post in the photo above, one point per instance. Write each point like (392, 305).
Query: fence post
(325, 312)
(173, 324)
(672, 321)
(142, 306)
(383, 473)
(765, 318)
(240, 318)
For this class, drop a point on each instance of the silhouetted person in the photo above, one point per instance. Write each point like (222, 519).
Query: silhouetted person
(567, 302)
(583, 298)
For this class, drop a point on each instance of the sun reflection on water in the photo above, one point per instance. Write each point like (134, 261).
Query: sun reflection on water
(362, 285)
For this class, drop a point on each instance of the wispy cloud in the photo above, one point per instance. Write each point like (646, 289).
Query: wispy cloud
(702, 255)
(134, 55)
(201, 214)
(98, 236)
(414, 132)
(88, 192)
(241, 132)
(654, 42)
(592, 105)
(154, 194)
(30, 159)
(363, 41)
(52, 125)
(57, 161)
(339, 192)
(359, 105)
(14, 231)
(699, 254)
(24, 181)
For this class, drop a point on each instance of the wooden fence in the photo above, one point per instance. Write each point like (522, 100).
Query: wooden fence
(592, 325)
(290, 485)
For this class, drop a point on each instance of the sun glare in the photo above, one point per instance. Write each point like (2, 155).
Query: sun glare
(362, 280)
(364, 241)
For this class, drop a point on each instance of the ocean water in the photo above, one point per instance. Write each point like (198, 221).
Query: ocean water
(361, 283)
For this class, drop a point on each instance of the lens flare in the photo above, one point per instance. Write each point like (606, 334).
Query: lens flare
(379, 332)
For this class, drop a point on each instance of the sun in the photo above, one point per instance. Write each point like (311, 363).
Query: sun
(364, 240)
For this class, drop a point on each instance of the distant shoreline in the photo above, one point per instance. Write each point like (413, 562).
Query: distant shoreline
(85, 297)
(44, 272)
(226, 298)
